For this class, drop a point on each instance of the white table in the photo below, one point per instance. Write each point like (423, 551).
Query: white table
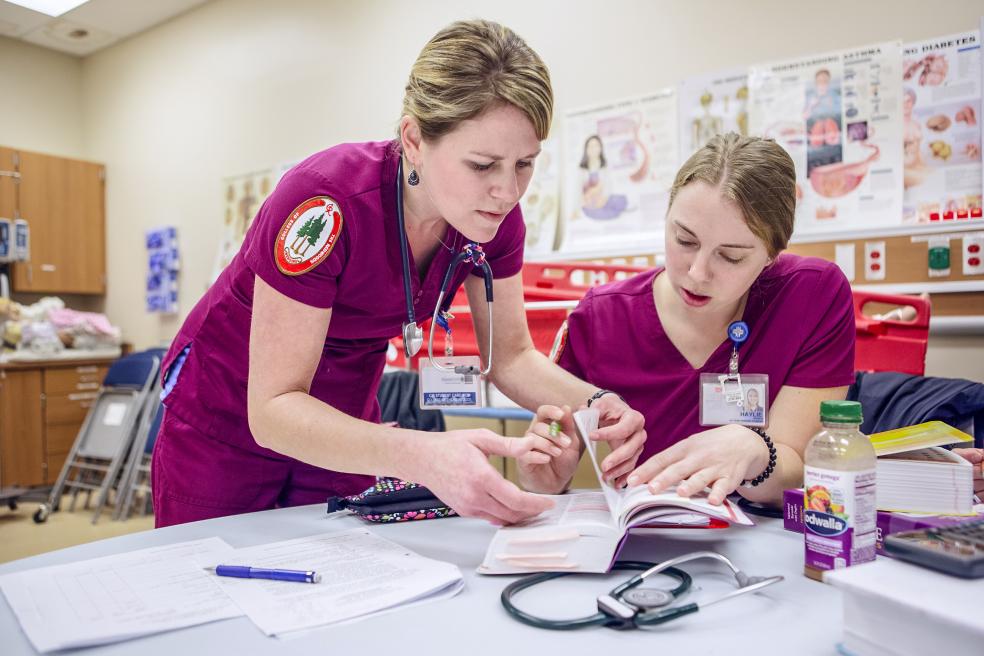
(797, 616)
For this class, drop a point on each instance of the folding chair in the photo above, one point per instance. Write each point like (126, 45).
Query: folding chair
(101, 446)
(136, 476)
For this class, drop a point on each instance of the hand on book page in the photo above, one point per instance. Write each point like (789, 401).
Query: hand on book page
(624, 501)
(584, 531)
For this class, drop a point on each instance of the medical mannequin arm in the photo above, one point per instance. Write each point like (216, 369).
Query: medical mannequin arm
(530, 379)
(722, 457)
(284, 417)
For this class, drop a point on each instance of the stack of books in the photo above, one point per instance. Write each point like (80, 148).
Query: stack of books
(916, 475)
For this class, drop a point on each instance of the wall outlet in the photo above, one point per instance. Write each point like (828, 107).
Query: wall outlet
(874, 260)
(973, 254)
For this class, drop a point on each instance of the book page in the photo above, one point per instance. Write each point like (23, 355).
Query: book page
(930, 455)
(586, 422)
(625, 504)
(638, 505)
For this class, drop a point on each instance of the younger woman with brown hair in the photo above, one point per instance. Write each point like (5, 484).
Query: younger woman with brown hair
(651, 337)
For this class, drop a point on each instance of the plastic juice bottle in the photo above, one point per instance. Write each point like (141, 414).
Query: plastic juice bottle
(839, 481)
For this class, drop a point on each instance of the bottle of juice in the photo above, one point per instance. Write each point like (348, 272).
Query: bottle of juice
(839, 480)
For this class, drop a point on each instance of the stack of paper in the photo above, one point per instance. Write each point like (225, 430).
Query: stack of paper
(118, 597)
(361, 574)
(930, 480)
(134, 594)
(893, 608)
(915, 475)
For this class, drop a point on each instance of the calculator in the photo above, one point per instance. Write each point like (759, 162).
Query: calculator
(956, 550)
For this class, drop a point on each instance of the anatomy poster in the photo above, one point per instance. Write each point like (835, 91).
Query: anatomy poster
(541, 203)
(941, 102)
(243, 196)
(619, 163)
(839, 116)
(710, 105)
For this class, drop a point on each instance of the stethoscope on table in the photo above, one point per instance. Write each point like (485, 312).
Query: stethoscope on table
(628, 606)
(413, 335)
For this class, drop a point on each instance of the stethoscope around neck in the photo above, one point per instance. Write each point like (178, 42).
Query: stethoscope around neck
(413, 335)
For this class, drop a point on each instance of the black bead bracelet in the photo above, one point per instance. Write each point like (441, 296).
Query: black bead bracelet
(600, 393)
(758, 480)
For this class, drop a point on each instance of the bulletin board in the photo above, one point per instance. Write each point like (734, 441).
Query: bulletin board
(904, 260)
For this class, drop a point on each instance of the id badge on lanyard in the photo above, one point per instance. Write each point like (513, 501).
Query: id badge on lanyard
(734, 398)
(456, 382)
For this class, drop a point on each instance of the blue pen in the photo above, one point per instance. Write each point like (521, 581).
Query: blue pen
(242, 572)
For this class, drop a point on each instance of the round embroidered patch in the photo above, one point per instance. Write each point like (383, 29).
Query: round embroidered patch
(308, 235)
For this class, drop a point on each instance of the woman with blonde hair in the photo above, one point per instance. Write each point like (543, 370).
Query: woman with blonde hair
(270, 386)
(651, 338)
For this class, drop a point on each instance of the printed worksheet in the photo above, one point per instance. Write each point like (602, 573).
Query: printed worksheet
(361, 574)
(119, 597)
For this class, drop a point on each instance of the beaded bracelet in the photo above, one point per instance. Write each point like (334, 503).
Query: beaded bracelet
(758, 480)
(600, 393)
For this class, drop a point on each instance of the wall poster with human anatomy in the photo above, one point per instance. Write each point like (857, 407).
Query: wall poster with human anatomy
(839, 116)
(619, 163)
(243, 195)
(712, 104)
(541, 202)
(941, 102)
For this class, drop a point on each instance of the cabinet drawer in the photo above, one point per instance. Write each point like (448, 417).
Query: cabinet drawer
(59, 439)
(68, 408)
(66, 380)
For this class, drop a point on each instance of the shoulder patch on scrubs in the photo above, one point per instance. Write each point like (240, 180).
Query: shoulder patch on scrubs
(560, 341)
(308, 235)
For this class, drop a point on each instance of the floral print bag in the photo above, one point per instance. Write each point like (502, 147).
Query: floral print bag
(392, 500)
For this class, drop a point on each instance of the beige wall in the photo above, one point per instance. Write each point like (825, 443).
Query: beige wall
(40, 99)
(239, 85)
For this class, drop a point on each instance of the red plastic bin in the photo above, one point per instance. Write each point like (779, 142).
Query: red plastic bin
(891, 344)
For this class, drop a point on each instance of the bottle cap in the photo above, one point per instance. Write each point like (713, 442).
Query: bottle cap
(848, 412)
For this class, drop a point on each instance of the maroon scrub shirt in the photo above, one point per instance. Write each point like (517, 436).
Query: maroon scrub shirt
(801, 319)
(327, 237)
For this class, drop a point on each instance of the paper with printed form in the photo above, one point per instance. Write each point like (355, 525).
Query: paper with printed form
(119, 597)
(361, 574)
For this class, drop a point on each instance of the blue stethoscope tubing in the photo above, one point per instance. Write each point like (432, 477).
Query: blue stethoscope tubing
(412, 333)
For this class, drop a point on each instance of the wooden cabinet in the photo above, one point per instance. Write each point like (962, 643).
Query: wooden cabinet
(8, 180)
(63, 201)
(42, 408)
(21, 431)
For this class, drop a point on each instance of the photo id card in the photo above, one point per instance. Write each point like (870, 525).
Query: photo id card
(441, 389)
(740, 399)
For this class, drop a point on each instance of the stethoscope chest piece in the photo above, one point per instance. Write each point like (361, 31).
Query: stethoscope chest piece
(648, 598)
(413, 338)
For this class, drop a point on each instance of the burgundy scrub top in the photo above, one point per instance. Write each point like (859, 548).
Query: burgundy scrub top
(326, 237)
(800, 315)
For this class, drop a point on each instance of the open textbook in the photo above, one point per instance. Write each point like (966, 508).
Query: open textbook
(584, 531)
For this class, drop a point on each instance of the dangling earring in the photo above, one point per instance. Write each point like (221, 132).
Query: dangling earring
(413, 180)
